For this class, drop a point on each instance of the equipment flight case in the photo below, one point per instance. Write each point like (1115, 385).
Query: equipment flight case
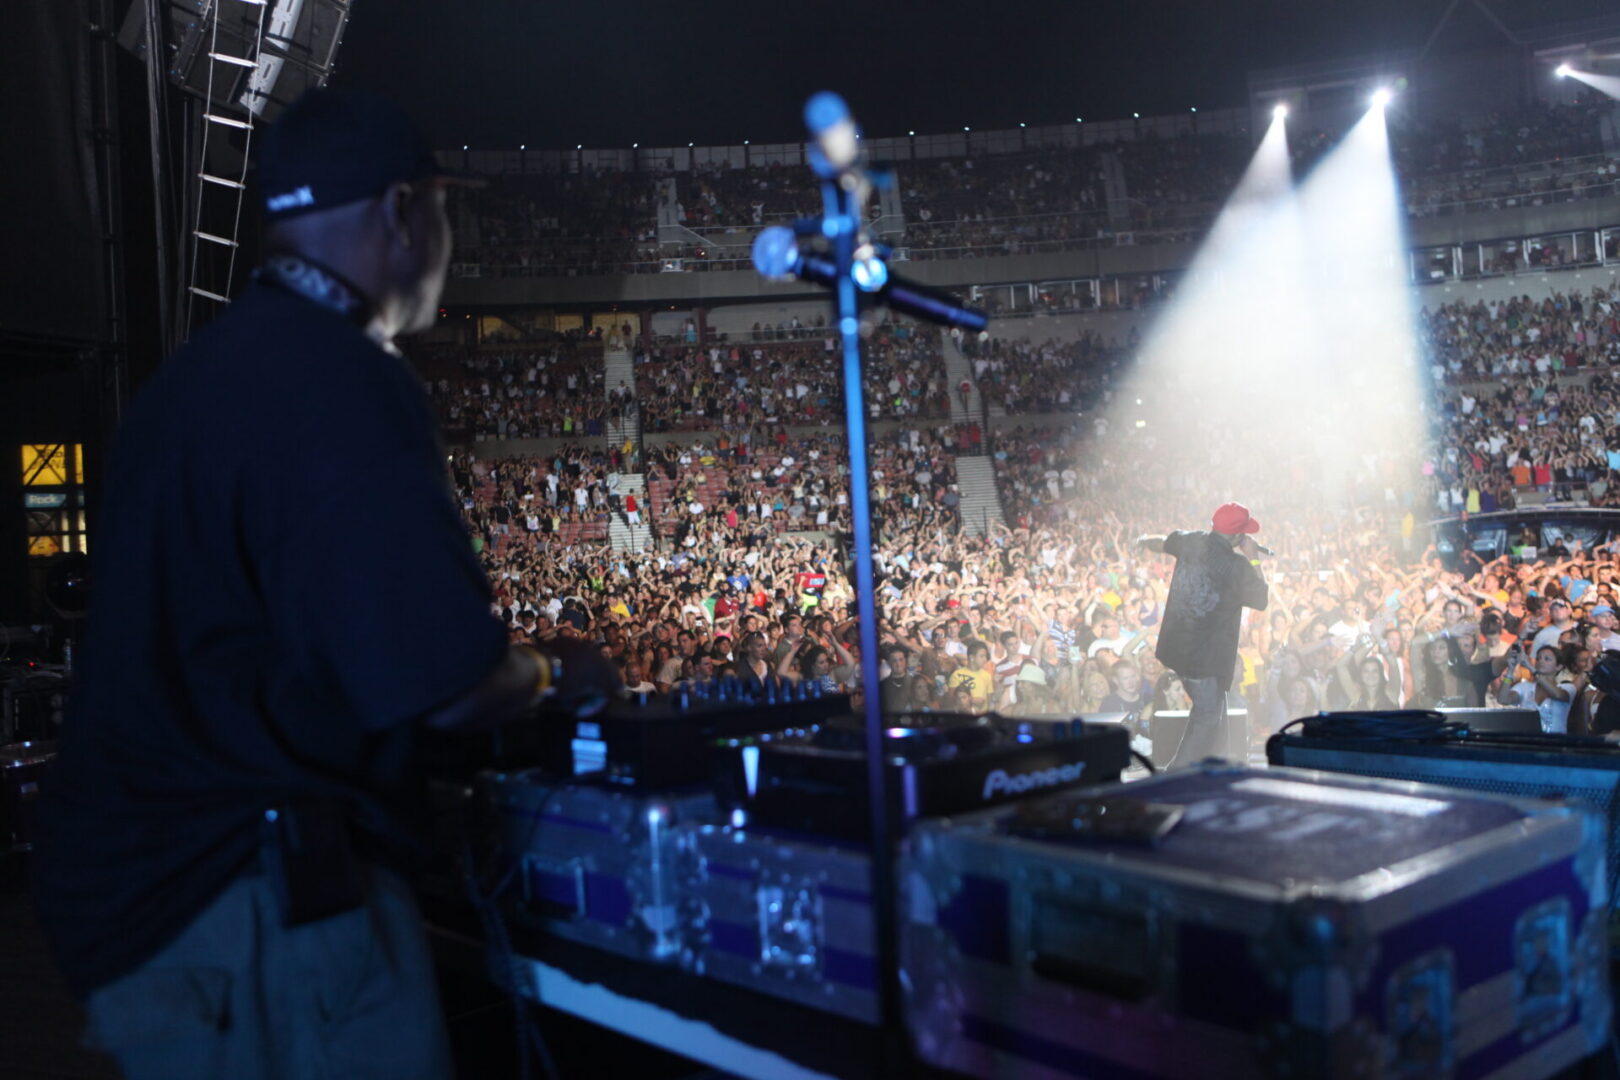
(1582, 770)
(1287, 923)
(591, 861)
(783, 905)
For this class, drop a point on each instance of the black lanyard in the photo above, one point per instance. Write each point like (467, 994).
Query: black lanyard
(318, 284)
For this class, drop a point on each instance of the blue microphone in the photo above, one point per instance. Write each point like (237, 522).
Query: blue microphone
(777, 256)
(836, 148)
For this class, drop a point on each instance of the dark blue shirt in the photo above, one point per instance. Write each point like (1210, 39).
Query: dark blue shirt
(282, 586)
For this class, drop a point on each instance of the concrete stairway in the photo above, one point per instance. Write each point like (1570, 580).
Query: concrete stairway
(1116, 193)
(623, 536)
(616, 431)
(618, 366)
(959, 369)
(976, 477)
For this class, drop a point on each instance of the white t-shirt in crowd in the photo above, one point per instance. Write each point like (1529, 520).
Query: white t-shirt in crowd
(1554, 713)
(1116, 644)
(1547, 635)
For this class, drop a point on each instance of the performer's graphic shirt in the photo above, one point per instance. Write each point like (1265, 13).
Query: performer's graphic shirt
(1211, 587)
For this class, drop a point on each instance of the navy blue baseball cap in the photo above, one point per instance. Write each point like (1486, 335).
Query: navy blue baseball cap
(337, 145)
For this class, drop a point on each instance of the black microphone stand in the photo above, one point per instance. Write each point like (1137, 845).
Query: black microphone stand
(858, 267)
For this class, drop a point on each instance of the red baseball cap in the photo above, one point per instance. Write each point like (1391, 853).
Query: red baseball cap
(1233, 518)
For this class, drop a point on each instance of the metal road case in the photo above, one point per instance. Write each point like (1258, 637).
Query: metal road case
(1523, 766)
(1292, 924)
(595, 863)
(787, 917)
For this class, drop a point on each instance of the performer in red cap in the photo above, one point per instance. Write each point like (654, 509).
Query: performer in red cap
(1217, 576)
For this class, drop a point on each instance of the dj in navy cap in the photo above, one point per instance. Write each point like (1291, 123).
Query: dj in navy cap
(238, 787)
(354, 210)
(334, 146)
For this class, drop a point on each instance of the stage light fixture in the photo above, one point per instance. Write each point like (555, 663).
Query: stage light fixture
(1279, 111)
(1382, 96)
(521, 146)
(1562, 71)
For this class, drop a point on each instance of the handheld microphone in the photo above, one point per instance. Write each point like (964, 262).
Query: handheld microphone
(1262, 549)
(777, 256)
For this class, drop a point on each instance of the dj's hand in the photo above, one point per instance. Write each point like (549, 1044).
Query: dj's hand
(1248, 548)
(588, 682)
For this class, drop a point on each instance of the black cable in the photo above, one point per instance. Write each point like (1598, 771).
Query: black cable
(1147, 763)
(1385, 726)
(1540, 739)
(527, 1035)
(548, 1064)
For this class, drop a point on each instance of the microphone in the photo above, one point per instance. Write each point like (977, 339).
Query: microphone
(837, 143)
(777, 256)
(1262, 549)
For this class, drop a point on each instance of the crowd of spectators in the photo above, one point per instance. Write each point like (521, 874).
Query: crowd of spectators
(1537, 132)
(537, 499)
(1162, 175)
(1528, 400)
(1359, 616)
(1055, 200)
(1165, 190)
(1058, 610)
(999, 186)
(1521, 337)
(787, 375)
(1023, 376)
(721, 195)
(981, 237)
(748, 487)
(1039, 199)
(903, 373)
(522, 391)
(690, 388)
(1564, 180)
(550, 224)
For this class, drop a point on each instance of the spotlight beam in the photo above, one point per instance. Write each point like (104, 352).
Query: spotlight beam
(1293, 320)
(1606, 84)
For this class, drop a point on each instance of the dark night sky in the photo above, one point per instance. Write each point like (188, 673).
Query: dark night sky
(496, 73)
